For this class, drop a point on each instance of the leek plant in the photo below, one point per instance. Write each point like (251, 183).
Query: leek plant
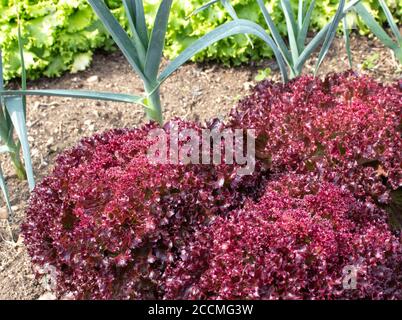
(8, 144)
(379, 32)
(298, 51)
(12, 121)
(143, 50)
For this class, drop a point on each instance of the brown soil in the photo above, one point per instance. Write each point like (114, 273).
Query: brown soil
(196, 92)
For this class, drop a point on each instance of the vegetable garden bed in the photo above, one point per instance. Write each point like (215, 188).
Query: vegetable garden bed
(276, 180)
(196, 92)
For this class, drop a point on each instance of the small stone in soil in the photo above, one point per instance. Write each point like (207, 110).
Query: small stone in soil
(3, 213)
(93, 79)
(50, 142)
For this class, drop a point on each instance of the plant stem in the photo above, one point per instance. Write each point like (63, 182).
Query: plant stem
(154, 110)
(294, 74)
(18, 166)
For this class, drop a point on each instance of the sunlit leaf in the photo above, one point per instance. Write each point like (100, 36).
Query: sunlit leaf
(80, 94)
(292, 29)
(119, 35)
(239, 26)
(330, 35)
(157, 40)
(346, 36)
(15, 108)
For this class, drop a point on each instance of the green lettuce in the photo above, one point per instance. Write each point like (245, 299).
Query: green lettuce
(61, 35)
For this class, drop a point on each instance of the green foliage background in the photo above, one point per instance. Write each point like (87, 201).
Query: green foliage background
(61, 35)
